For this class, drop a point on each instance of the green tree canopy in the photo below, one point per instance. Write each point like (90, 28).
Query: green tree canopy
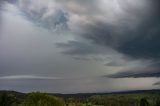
(42, 99)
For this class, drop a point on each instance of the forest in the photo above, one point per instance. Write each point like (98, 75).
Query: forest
(12, 98)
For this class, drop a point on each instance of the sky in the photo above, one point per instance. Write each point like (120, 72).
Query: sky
(79, 46)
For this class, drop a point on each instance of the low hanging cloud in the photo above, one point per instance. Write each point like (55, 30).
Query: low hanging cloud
(130, 74)
(28, 77)
(145, 70)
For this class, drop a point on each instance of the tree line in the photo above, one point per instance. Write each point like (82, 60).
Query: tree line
(43, 99)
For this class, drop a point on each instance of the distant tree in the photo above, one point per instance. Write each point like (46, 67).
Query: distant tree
(144, 102)
(8, 99)
(42, 99)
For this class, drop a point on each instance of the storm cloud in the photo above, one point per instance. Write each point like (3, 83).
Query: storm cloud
(132, 34)
(131, 28)
(88, 43)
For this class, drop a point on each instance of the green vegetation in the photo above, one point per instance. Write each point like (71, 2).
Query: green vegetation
(8, 100)
(32, 99)
(136, 99)
(44, 99)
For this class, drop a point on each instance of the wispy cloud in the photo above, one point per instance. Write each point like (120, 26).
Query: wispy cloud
(12, 77)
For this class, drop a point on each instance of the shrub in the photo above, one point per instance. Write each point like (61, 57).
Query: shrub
(8, 100)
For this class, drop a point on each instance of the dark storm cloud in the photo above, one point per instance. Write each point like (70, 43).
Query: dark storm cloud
(135, 40)
(134, 32)
(142, 42)
(128, 74)
(152, 70)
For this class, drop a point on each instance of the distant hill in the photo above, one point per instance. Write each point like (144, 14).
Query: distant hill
(79, 95)
(17, 94)
(152, 91)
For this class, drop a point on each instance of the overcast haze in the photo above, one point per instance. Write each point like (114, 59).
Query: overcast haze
(77, 46)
